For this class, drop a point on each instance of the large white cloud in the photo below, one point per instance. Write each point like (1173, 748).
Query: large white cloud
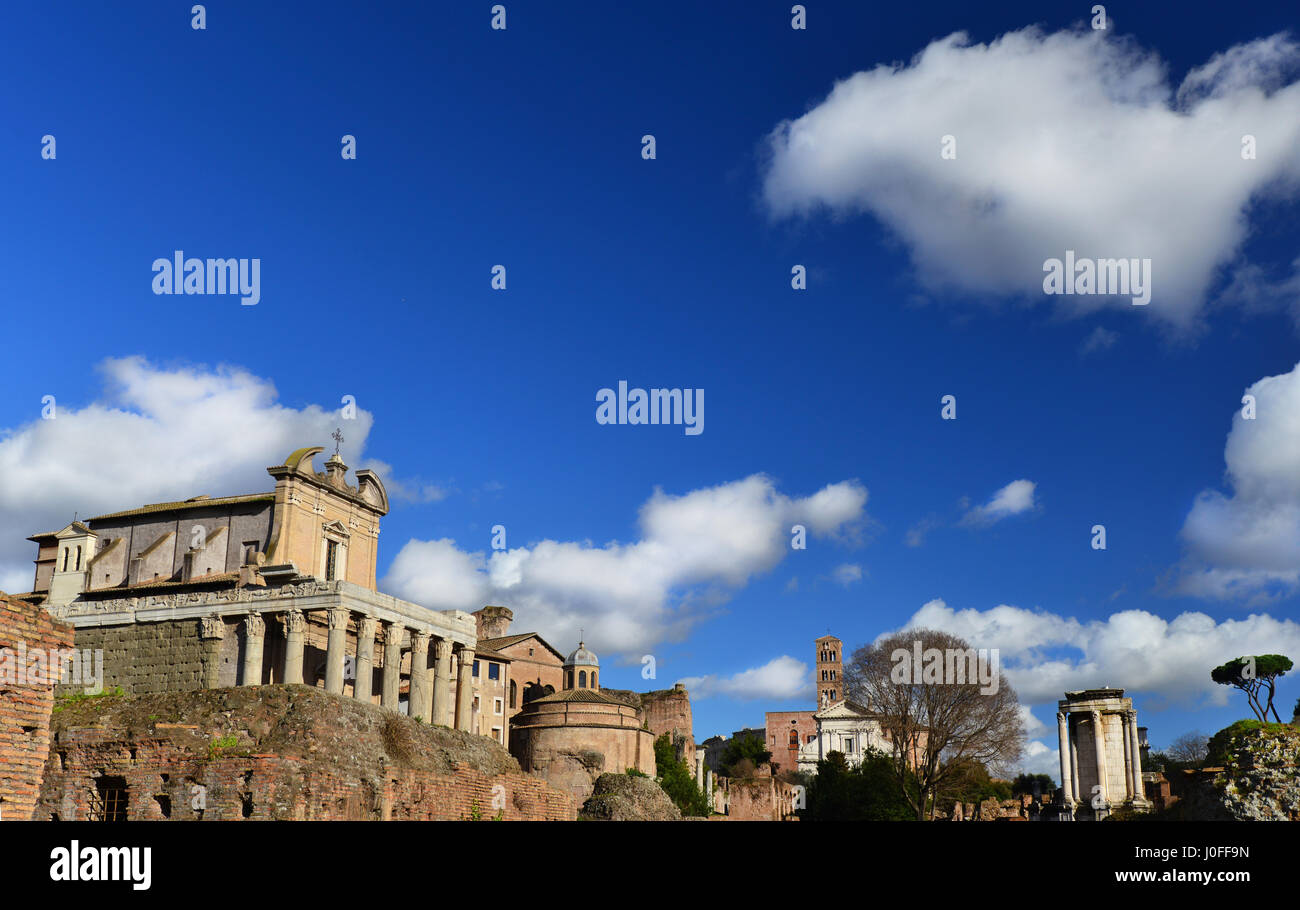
(1246, 544)
(1074, 140)
(153, 434)
(781, 678)
(628, 597)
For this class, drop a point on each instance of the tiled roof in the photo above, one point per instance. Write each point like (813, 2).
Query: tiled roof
(488, 653)
(498, 644)
(504, 642)
(214, 578)
(594, 696)
(195, 503)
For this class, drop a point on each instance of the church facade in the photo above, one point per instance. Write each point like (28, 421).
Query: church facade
(272, 587)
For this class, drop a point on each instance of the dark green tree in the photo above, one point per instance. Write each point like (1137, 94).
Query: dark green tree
(675, 779)
(741, 749)
(1254, 675)
(868, 792)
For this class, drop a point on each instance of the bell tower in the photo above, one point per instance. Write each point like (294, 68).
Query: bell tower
(830, 671)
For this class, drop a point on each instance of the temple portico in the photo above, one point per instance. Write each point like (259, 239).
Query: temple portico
(308, 632)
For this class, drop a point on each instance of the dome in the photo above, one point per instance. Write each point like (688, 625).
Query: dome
(581, 658)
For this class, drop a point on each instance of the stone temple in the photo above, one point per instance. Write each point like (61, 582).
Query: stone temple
(1101, 758)
(273, 587)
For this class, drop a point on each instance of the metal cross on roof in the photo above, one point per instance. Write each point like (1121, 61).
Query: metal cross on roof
(337, 436)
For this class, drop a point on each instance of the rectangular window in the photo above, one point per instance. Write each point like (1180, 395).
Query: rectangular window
(475, 670)
(494, 671)
(331, 558)
(498, 706)
(250, 552)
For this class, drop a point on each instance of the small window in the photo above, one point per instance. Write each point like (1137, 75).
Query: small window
(66, 554)
(331, 559)
(494, 671)
(475, 670)
(251, 548)
(498, 706)
(513, 693)
(78, 559)
(110, 800)
(582, 679)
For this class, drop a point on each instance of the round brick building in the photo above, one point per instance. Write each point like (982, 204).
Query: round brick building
(571, 737)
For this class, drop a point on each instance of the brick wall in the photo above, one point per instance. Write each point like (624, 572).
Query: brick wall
(282, 753)
(25, 709)
(164, 779)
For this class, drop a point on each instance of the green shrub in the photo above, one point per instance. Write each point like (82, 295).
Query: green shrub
(1223, 744)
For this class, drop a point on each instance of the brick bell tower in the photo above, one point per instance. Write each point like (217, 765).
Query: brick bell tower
(830, 671)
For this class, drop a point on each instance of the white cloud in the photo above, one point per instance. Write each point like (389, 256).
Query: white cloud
(1099, 339)
(1157, 662)
(1043, 654)
(847, 573)
(693, 550)
(1247, 544)
(154, 434)
(1013, 499)
(1074, 140)
(778, 679)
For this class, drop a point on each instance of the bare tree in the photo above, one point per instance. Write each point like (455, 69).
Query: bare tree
(1189, 749)
(937, 723)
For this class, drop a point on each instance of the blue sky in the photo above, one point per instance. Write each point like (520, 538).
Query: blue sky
(522, 147)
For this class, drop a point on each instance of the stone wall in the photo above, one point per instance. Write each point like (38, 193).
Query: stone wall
(761, 798)
(25, 708)
(152, 657)
(665, 711)
(279, 752)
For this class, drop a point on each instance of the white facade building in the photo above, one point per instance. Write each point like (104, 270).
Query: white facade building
(845, 727)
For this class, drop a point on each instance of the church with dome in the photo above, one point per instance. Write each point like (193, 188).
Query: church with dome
(572, 736)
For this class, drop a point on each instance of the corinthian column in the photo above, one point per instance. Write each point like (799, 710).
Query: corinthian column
(295, 628)
(465, 690)
(1135, 750)
(391, 696)
(335, 650)
(441, 683)
(1063, 735)
(421, 697)
(1099, 740)
(254, 638)
(212, 629)
(364, 688)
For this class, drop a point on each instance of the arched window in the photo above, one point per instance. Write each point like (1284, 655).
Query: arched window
(78, 559)
(593, 679)
(794, 738)
(582, 679)
(66, 553)
(513, 689)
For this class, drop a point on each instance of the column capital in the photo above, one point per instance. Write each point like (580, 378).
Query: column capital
(254, 625)
(441, 648)
(1060, 717)
(338, 617)
(212, 627)
(420, 639)
(366, 625)
(294, 622)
